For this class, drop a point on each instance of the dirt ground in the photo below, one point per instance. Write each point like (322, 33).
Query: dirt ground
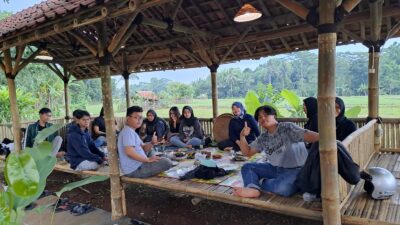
(158, 207)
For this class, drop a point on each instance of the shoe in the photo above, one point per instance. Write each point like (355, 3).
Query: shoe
(308, 197)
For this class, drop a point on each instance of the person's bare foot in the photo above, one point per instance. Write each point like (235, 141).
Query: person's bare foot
(246, 192)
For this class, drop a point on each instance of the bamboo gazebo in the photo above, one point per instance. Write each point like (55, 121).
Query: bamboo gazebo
(99, 38)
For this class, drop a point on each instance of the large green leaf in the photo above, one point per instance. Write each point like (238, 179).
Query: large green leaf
(251, 101)
(40, 151)
(43, 134)
(22, 174)
(353, 112)
(80, 183)
(45, 166)
(5, 208)
(292, 99)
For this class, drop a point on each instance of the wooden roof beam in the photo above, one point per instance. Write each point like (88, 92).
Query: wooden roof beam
(20, 53)
(191, 53)
(25, 62)
(122, 34)
(234, 45)
(349, 5)
(202, 51)
(295, 7)
(177, 28)
(84, 41)
(137, 62)
(351, 34)
(54, 68)
(393, 31)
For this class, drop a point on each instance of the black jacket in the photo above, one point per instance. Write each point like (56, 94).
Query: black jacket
(80, 147)
(344, 126)
(312, 114)
(309, 177)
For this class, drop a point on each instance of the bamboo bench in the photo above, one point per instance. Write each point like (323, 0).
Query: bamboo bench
(356, 206)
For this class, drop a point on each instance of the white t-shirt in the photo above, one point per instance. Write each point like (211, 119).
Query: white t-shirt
(285, 147)
(129, 138)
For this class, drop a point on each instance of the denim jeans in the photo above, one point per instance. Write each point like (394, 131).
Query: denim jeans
(87, 165)
(100, 141)
(269, 178)
(151, 169)
(175, 140)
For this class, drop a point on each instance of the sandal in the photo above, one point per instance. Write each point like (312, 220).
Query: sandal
(81, 209)
(63, 205)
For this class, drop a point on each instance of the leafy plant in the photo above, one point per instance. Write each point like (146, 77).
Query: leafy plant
(294, 104)
(252, 103)
(353, 112)
(26, 174)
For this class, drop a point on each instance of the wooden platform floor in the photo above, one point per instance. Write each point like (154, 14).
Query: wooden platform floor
(294, 206)
(360, 209)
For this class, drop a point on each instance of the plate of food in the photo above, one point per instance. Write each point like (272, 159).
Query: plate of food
(179, 156)
(239, 158)
(216, 156)
(190, 155)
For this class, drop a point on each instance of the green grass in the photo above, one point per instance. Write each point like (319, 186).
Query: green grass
(389, 106)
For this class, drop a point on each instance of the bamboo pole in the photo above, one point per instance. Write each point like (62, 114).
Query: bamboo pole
(373, 66)
(16, 125)
(104, 62)
(326, 116)
(127, 94)
(66, 99)
(214, 89)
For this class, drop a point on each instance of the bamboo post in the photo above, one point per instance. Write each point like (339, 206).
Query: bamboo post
(214, 89)
(66, 99)
(373, 66)
(126, 74)
(104, 62)
(16, 125)
(326, 116)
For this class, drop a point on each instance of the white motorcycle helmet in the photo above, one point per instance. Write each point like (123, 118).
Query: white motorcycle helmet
(379, 183)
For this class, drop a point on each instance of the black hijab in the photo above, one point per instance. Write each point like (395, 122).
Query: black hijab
(188, 121)
(312, 114)
(152, 123)
(344, 126)
(342, 108)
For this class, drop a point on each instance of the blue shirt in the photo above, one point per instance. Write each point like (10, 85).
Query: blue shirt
(129, 138)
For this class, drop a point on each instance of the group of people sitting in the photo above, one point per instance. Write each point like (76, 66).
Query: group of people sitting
(285, 144)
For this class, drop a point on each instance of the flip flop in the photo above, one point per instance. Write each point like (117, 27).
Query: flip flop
(81, 209)
(63, 205)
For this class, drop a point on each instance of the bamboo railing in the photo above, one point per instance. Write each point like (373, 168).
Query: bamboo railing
(390, 128)
(360, 145)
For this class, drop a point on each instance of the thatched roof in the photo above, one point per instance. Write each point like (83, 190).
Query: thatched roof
(202, 33)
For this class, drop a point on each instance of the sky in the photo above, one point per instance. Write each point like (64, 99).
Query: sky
(187, 75)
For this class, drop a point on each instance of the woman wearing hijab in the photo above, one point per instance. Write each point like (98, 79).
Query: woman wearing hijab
(152, 126)
(310, 107)
(344, 126)
(236, 124)
(190, 132)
